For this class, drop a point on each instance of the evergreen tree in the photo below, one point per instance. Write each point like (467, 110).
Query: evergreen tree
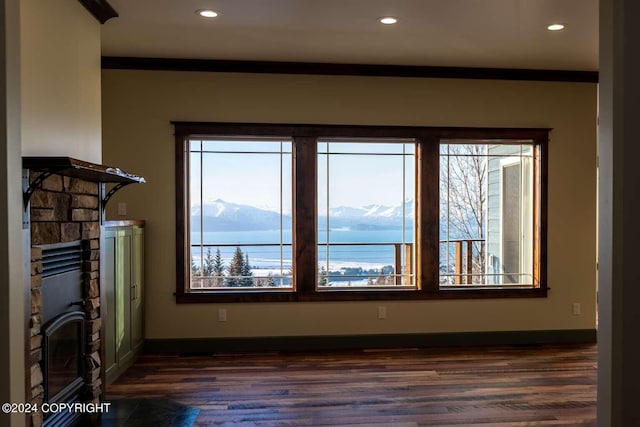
(246, 272)
(322, 277)
(195, 270)
(236, 268)
(271, 281)
(218, 269)
(207, 269)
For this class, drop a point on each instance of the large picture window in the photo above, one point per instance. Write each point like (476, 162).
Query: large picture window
(366, 193)
(240, 213)
(312, 213)
(486, 213)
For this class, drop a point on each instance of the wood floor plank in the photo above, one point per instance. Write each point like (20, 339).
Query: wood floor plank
(475, 386)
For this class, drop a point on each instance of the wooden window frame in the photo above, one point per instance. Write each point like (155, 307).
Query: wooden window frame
(304, 137)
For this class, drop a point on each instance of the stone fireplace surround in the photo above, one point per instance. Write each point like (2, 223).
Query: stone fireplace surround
(66, 204)
(66, 210)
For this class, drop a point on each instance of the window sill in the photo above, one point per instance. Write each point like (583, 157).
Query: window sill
(339, 295)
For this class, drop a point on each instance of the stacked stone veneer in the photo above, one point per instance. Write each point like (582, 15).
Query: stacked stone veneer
(66, 210)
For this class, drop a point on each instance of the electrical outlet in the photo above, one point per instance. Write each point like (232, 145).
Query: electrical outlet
(222, 315)
(382, 312)
(122, 208)
(576, 309)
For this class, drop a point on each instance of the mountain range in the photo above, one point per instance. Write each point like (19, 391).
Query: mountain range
(219, 215)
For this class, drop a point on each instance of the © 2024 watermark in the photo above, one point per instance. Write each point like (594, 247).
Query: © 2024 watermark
(54, 408)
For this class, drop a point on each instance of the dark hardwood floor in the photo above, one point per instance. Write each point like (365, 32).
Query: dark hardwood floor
(475, 386)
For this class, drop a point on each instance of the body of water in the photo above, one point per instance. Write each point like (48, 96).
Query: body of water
(340, 254)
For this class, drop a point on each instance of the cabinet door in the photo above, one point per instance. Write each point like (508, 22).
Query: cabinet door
(137, 288)
(109, 277)
(123, 294)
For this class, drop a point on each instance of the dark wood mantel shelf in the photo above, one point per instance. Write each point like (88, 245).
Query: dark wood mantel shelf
(67, 166)
(88, 171)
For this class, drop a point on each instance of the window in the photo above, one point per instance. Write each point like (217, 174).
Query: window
(366, 191)
(486, 213)
(313, 213)
(240, 213)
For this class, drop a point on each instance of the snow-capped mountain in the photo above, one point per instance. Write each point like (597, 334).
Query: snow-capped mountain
(372, 211)
(380, 211)
(219, 215)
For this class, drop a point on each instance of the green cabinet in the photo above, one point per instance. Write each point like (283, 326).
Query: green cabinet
(123, 276)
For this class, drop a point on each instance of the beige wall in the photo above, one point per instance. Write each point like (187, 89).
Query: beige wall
(138, 137)
(60, 80)
(12, 294)
(50, 89)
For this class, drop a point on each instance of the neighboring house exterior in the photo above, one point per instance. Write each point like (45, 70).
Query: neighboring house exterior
(509, 226)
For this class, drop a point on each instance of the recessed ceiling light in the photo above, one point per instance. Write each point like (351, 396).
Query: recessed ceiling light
(556, 27)
(387, 20)
(207, 13)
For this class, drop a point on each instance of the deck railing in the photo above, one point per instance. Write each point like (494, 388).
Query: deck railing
(402, 259)
(463, 259)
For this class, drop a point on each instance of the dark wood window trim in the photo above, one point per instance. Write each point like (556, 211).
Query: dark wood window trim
(304, 221)
(305, 248)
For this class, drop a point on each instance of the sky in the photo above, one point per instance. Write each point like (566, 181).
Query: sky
(254, 179)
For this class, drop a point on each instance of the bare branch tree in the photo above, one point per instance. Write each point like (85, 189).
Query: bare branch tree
(465, 196)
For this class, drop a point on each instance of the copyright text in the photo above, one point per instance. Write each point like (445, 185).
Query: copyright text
(54, 408)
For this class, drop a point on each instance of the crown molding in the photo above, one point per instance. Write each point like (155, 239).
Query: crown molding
(317, 68)
(100, 9)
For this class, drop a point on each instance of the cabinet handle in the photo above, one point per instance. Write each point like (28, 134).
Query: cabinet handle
(135, 294)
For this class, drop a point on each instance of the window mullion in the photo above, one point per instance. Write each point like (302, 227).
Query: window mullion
(428, 214)
(304, 218)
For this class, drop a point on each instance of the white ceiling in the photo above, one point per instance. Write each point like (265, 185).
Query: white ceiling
(464, 33)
